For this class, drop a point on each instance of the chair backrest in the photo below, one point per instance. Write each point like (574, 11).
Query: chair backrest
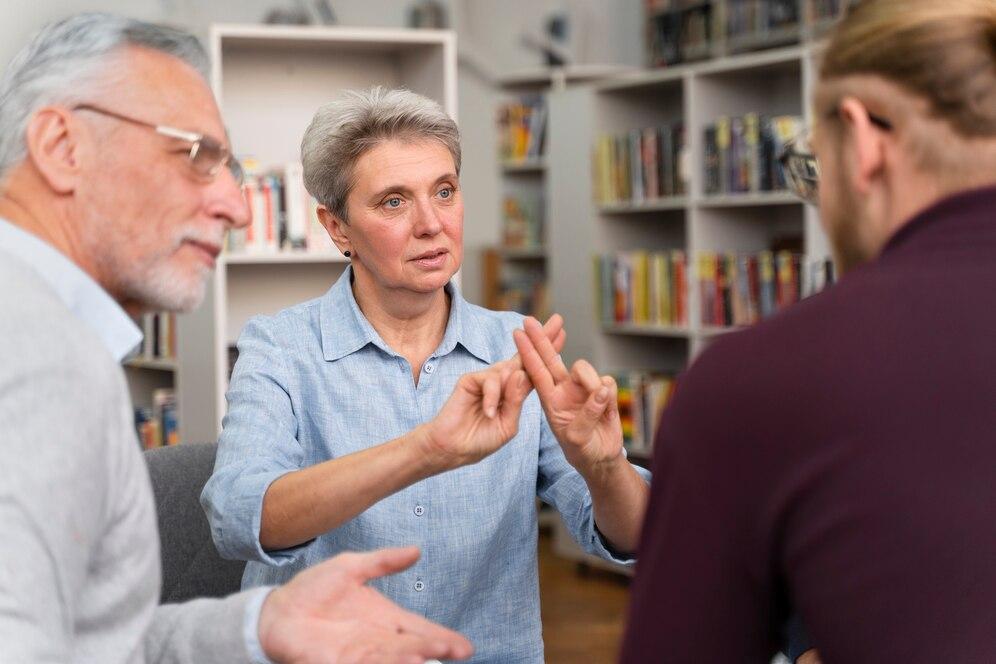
(191, 564)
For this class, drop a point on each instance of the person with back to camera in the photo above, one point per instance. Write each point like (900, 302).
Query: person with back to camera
(355, 420)
(850, 477)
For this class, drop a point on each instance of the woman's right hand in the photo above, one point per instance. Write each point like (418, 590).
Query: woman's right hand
(480, 416)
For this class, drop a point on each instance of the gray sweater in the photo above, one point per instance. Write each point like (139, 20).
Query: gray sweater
(79, 549)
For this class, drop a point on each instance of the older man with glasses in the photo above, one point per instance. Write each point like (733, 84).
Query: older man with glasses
(837, 460)
(106, 210)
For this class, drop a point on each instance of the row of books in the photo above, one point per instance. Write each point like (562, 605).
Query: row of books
(746, 18)
(283, 215)
(640, 165)
(158, 336)
(642, 400)
(522, 221)
(521, 129)
(741, 289)
(158, 425)
(644, 288)
(740, 154)
(678, 31)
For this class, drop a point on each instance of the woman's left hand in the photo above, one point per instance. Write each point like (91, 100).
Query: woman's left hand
(580, 405)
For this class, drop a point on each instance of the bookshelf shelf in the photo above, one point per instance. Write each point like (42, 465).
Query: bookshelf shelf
(747, 200)
(154, 364)
(641, 329)
(534, 165)
(283, 257)
(269, 81)
(649, 205)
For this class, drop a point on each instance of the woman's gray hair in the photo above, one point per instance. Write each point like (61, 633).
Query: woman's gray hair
(343, 130)
(68, 62)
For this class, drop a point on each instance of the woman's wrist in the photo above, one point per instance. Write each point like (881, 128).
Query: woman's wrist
(434, 457)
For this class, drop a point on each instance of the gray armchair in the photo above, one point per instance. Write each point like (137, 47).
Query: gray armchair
(191, 564)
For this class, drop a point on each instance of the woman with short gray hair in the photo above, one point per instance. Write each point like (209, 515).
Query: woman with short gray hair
(391, 411)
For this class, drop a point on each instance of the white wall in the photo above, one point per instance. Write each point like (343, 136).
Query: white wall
(608, 32)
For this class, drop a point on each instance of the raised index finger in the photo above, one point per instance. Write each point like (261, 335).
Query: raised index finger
(533, 363)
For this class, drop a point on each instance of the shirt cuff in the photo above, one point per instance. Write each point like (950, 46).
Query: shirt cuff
(250, 627)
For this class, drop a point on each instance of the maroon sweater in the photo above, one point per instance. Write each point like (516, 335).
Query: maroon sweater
(838, 461)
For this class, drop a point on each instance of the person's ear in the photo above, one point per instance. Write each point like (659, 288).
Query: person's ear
(53, 139)
(336, 228)
(865, 144)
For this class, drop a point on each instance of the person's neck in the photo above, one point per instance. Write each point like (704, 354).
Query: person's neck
(48, 218)
(411, 323)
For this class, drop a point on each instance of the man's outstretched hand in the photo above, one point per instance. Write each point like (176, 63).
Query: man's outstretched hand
(328, 615)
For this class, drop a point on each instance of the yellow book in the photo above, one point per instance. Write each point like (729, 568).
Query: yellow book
(641, 301)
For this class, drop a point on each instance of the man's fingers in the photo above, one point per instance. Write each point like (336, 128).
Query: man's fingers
(533, 363)
(448, 644)
(545, 349)
(375, 564)
(407, 648)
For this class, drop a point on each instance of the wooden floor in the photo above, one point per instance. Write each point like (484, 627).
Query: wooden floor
(583, 612)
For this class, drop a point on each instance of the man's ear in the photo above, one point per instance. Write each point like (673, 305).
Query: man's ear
(53, 143)
(336, 229)
(865, 144)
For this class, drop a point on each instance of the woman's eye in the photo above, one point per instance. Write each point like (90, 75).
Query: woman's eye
(393, 203)
(446, 193)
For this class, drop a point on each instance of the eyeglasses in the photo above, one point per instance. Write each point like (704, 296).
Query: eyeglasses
(801, 167)
(207, 156)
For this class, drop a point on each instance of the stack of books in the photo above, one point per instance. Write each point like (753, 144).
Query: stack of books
(521, 129)
(283, 215)
(741, 289)
(522, 226)
(640, 165)
(643, 288)
(741, 153)
(158, 426)
(761, 23)
(642, 400)
(678, 31)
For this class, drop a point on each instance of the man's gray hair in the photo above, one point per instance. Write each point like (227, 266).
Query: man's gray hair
(343, 130)
(69, 62)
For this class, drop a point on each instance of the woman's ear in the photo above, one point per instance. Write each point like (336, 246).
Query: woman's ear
(336, 228)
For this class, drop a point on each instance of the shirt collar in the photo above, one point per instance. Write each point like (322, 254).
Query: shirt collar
(78, 291)
(942, 221)
(346, 330)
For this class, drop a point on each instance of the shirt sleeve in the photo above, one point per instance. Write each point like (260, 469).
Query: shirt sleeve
(701, 588)
(208, 631)
(560, 485)
(258, 444)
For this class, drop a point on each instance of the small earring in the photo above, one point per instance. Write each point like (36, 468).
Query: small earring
(346, 253)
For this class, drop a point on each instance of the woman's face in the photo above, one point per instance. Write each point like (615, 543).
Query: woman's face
(405, 211)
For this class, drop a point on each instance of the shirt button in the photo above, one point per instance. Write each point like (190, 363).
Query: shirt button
(419, 510)
(429, 368)
(419, 586)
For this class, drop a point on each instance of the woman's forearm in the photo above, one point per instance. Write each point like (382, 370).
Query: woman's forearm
(619, 499)
(304, 504)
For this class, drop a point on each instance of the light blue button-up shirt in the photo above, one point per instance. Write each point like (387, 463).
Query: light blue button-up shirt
(316, 382)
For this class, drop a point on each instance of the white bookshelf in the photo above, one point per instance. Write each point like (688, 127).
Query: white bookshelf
(773, 82)
(269, 82)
